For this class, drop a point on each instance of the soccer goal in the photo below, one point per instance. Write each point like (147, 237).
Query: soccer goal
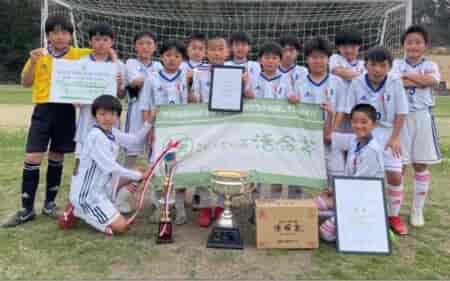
(380, 21)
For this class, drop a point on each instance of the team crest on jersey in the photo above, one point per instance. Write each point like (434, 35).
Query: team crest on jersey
(364, 98)
(331, 93)
(180, 87)
(160, 88)
(308, 94)
(276, 88)
(388, 98)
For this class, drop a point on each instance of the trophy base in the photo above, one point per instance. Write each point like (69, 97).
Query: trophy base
(164, 234)
(225, 238)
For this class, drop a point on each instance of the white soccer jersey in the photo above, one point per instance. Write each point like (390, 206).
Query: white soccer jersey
(419, 99)
(93, 189)
(294, 73)
(389, 99)
(202, 83)
(85, 119)
(136, 69)
(331, 89)
(190, 65)
(252, 67)
(362, 160)
(164, 88)
(337, 60)
(277, 87)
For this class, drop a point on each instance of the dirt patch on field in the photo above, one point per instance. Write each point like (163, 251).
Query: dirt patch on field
(15, 116)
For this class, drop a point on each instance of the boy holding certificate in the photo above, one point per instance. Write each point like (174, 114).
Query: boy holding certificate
(364, 158)
(101, 39)
(51, 123)
(217, 52)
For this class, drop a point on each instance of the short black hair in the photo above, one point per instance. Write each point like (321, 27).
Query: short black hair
(173, 44)
(317, 44)
(379, 54)
(106, 102)
(416, 29)
(240, 36)
(142, 34)
(101, 29)
(55, 21)
(270, 48)
(216, 36)
(196, 36)
(290, 41)
(348, 37)
(368, 109)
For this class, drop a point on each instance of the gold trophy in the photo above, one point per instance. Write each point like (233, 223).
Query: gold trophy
(229, 183)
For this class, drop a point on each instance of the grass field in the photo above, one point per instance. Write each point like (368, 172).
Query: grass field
(11, 94)
(39, 250)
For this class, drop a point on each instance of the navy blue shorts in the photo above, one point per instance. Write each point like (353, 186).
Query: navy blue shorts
(52, 124)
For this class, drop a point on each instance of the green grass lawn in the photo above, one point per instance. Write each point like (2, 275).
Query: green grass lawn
(14, 94)
(40, 251)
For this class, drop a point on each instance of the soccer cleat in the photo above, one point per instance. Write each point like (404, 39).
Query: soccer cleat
(204, 217)
(20, 217)
(416, 218)
(67, 219)
(195, 202)
(327, 230)
(50, 210)
(397, 225)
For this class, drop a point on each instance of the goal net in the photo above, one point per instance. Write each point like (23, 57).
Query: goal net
(380, 21)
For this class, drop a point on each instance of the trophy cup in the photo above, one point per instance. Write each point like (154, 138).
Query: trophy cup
(229, 183)
(166, 202)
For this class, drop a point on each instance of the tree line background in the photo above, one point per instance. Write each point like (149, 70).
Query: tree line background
(20, 30)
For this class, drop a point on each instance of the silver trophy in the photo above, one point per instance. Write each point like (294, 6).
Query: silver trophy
(229, 183)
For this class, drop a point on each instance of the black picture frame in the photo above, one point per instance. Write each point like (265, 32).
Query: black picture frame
(339, 232)
(211, 90)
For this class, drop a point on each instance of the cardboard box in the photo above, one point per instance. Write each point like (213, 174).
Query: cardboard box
(288, 224)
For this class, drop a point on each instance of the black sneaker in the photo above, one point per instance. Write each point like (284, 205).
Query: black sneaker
(195, 202)
(20, 217)
(51, 210)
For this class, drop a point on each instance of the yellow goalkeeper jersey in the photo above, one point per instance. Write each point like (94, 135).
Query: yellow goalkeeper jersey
(43, 73)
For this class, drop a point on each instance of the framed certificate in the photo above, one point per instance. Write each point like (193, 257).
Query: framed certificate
(361, 216)
(227, 88)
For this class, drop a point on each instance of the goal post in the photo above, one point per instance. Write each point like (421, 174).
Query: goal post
(380, 21)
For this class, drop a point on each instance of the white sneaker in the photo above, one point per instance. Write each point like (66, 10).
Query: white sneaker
(416, 217)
